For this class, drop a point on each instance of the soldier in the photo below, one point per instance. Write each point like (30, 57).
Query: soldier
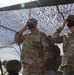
(68, 45)
(56, 61)
(35, 49)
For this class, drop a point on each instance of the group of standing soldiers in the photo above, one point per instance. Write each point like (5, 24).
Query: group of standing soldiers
(37, 49)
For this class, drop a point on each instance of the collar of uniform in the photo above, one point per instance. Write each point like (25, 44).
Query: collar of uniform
(35, 31)
(73, 32)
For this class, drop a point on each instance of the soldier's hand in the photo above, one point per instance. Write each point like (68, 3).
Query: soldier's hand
(41, 65)
(24, 28)
(63, 25)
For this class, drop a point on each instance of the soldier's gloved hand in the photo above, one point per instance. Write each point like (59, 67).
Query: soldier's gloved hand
(41, 65)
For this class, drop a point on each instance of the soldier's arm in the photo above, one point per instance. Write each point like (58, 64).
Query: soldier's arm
(47, 54)
(56, 38)
(45, 51)
(18, 38)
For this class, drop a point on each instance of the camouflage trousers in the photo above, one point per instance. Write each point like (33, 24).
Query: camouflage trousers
(32, 71)
(68, 70)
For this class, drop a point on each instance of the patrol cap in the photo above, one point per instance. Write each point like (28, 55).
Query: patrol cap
(70, 21)
(32, 20)
(70, 17)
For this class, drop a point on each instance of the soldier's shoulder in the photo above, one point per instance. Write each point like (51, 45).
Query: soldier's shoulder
(42, 33)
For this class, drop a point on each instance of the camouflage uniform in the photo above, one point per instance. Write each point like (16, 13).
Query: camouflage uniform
(68, 47)
(34, 50)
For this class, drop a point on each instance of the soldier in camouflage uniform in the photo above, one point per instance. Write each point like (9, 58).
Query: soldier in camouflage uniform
(68, 45)
(56, 61)
(35, 49)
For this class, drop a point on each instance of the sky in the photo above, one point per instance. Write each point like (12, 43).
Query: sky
(4, 3)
